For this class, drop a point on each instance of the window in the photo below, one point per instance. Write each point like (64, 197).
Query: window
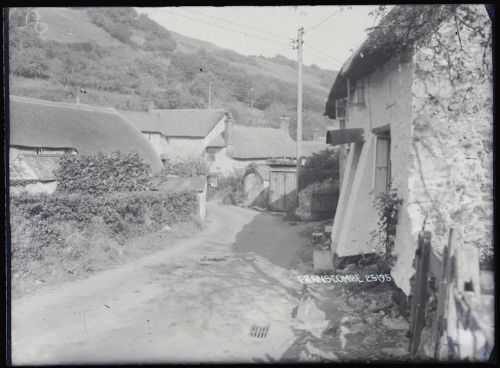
(69, 151)
(210, 155)
(213, 181)
(357, 92)
(40, 150)
(383, 164)
(340, 108)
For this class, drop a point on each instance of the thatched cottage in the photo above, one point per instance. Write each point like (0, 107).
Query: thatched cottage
(417, 100)
(41, 131)
(177, 134)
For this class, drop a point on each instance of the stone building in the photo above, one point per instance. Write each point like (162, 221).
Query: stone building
(41, 131)
(231, 152)
(178, 134)
(418, 100)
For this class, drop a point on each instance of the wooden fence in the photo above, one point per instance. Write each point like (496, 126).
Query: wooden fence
(463, 327)
(323, 204)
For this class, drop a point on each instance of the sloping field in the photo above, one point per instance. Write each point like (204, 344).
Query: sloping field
(70, 25)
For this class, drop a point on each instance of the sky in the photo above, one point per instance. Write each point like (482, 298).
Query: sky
(331, 32)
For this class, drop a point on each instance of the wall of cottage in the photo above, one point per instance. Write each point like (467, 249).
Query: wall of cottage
(222, 164)
(16, 150)
(387, 102)
(178, 148)
(450, 164)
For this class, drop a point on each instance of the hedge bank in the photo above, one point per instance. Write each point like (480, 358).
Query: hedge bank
(40, 222)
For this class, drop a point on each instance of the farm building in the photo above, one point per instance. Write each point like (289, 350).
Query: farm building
(418, 118)
(179, 133)
(41, 131)
(232, 151)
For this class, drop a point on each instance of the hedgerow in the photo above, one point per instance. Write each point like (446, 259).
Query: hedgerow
(38, 221)
(103, 173)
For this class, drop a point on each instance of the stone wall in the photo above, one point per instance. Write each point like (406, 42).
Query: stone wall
(450, 166)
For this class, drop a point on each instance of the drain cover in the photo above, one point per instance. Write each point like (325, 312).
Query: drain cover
(259, 331)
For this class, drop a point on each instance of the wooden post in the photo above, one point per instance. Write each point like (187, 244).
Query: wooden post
(417, 313)
(441, 338)
(299, 108)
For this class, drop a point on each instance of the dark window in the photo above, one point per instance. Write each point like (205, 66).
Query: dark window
(383, 164)
(357, 92)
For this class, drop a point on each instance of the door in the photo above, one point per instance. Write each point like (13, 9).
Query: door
(276, 190)
(282, 190)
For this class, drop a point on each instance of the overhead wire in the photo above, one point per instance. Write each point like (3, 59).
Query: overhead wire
(323, 21)
(223, 27)
(238, 24)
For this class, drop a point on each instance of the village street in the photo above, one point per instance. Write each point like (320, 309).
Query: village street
(194, 300)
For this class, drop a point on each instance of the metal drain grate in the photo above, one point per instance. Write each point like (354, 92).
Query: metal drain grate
(259, 331)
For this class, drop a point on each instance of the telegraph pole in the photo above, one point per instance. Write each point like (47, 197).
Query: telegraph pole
(210, 95)
(299, 106)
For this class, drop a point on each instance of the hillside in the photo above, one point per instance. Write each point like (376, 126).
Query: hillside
(124, 59)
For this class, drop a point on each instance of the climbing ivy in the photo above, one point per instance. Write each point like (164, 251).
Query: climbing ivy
(387, 205)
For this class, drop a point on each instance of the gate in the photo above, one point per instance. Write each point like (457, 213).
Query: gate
(463, 327)
(323, 204)
(282, 188)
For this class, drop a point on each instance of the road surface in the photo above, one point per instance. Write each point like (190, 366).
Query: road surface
(193, 301)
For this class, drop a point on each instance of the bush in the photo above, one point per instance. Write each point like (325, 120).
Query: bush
(318, 201)
(103, 173)
(186, 167)
(47, 221)
(319, 167)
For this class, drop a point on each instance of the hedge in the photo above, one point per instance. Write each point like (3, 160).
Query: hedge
(103, 173)
(39, 221)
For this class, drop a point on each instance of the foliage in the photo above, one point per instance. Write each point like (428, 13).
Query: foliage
(313, 203)
(233, 189)
(144, 65)
(319, 167)
(387, 205)
(37, 220)
(185, 167)
(102, 173)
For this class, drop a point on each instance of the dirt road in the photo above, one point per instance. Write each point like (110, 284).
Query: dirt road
(194, 301)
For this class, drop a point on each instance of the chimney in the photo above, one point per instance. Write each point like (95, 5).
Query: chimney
(228, 132)
(151, 106)
(285, 124)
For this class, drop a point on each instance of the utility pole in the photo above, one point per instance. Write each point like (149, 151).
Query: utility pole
(299, 106)
(210, 94)
(251, 101)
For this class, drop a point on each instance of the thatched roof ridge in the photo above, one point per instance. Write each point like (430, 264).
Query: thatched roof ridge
(193, 123)
(250, 142)
(398, 31)
(88, 129)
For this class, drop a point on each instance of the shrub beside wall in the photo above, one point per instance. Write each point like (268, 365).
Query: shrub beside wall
(49, 221)
(103, 173)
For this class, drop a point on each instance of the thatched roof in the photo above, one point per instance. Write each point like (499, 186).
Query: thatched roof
(218, 141)
(88, 129)
(195, 123)
(260, 143)
(20, 170)
(398, 31)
